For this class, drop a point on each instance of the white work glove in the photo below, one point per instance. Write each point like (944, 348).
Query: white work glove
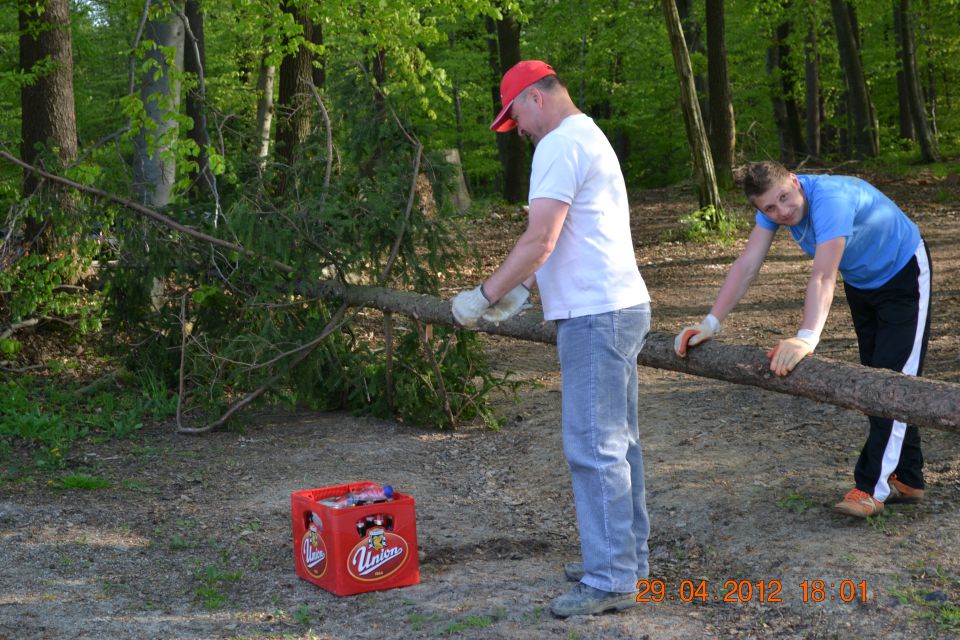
(788, 354)
(469, 305)
(692, 336)
(509, 305)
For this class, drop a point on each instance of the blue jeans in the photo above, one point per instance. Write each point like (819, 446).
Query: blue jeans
(601, 441)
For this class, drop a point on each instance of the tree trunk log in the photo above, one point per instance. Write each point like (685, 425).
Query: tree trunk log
(878, 392)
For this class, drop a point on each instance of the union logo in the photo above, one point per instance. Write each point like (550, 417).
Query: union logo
(377, 556)
(314, 552)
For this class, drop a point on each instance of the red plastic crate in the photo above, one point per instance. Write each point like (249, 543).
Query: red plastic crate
(330, 552)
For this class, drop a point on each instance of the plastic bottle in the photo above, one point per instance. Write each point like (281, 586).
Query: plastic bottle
(361, 496)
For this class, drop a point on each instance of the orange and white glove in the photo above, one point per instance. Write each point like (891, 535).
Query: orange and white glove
(468, 306)
(692, 336)
(788, 354)
(509, 305)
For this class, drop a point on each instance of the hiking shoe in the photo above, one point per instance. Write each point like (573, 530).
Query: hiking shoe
(583, 600)
(901, 493)
(574, 571)
(858, 504)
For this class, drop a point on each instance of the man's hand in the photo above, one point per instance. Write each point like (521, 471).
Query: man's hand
(786, 355)
(509, 305)
(469, 305)
(692, 336)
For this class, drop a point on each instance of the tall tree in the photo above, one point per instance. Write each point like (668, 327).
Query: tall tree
(692, 35)
(904, 117)
(911, 79)
(707, 191)
(47, 103)
(864, 133)
(813, 103)
(194, 63)
(265, 82)
(505, 37)
(723, 129)
(296, 72)
(154, 167)
(786, 112)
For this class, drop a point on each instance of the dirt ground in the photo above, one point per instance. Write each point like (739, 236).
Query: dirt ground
(194, 540)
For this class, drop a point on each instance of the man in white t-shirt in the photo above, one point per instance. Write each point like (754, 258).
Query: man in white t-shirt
(578, 249)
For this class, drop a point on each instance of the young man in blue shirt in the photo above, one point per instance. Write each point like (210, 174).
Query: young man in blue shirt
(845, 224)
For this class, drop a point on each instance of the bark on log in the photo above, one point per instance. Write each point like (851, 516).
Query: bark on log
(878, 392)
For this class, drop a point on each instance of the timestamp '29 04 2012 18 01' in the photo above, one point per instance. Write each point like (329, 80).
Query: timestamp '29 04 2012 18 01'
(771, 591)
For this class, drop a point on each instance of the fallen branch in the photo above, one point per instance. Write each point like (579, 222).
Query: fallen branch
(878, 392)
(16, 326)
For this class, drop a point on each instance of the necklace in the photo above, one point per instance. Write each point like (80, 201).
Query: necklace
(806, 228)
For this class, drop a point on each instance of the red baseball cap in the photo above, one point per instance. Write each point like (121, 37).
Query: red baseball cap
(519, 77)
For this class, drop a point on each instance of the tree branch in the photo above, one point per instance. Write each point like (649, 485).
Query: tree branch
(145, 211)
(877, 392)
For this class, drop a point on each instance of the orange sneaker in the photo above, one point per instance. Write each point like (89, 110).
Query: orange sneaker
(901, 493)
(858, 504)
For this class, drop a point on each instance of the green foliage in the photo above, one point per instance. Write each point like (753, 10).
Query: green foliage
(708, 224)
(242, 325)
(212, 582)
(82, 482)
(795, 502)
(466, 380)
(47, 416)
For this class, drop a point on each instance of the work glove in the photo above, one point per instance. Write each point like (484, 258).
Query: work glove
(788, 354)
(469, 305)
(692, 336)
(509, 305)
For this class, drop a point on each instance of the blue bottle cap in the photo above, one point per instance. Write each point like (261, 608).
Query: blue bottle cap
(388, 490)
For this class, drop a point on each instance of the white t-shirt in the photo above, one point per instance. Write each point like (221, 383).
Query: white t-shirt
(592, 268)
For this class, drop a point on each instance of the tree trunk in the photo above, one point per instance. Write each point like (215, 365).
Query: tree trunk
(905, 118)
(195, 62)
(512, 150)
(319, 60)
(707, 190)
(863, 134)
(723, 127)
(785, 109)
(911, 76)
(47, 105)
(692, 36)
(879, 392)
(293, 104)
(154, 171)
(812, 102)
(264, 109)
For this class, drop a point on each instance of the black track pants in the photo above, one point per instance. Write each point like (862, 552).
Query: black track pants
(893, 326)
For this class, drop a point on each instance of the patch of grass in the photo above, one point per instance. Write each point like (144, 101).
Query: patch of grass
(469, 622)
(302, 615)
(179, 543)
(49, 414)
(140, 486)
(212, 580)
(419, 620)
(83, 482)
(708, 225)
(935, 593)
(795, 502)
(881, 522)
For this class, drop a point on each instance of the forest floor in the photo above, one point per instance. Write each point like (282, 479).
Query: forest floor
(194, 539)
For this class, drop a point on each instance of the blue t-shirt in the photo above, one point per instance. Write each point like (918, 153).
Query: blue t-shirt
(881, 239)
